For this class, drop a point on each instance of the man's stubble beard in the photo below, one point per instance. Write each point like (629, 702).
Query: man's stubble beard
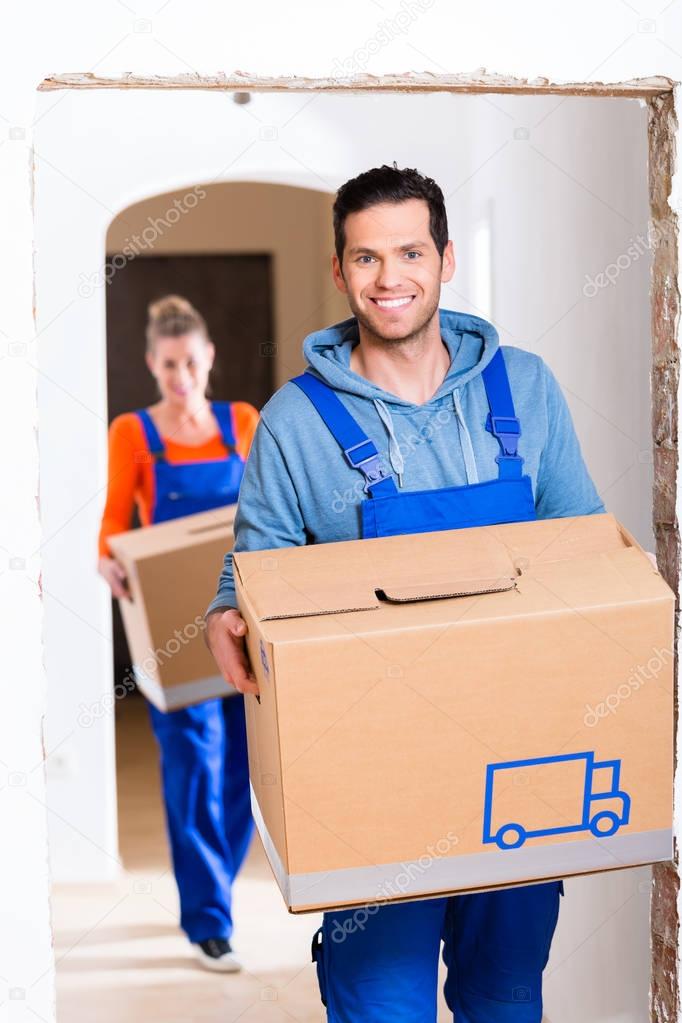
(414, 335)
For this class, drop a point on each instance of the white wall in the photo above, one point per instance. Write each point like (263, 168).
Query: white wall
(606, 42)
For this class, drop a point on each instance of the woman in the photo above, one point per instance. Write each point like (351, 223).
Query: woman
(186, 454)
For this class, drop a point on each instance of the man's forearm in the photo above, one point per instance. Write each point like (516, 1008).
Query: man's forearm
(226, 596)
(223, 601)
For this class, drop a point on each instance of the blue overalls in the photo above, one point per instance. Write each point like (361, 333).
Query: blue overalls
(204, 765)
(382, 966)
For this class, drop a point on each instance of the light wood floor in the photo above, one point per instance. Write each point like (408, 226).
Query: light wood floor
(120, 954)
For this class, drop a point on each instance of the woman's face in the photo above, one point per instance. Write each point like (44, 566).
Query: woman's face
(181, 366)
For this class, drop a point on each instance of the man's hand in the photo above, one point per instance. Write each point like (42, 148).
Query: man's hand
(224, 635)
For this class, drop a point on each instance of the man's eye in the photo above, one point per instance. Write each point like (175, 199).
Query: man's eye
(412, 252)
(364, 257)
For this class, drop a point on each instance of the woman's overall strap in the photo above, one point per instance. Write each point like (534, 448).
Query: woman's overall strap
(360, 452)
(222, 410)
(154, 442)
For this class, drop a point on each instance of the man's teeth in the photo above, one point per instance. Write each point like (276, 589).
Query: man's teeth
(391, 303)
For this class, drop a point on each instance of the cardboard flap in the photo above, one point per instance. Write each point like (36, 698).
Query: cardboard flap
(274, 595)
(174, 534)
(333, 578)
(362, 575)
(441, 591)
(205, 528)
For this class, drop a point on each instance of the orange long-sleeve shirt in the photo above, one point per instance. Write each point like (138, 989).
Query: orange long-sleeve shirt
(131, 468)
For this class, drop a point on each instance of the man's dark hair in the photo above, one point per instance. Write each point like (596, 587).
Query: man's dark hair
(389, 184)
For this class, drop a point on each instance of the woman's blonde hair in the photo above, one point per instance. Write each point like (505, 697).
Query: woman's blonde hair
(172, 316)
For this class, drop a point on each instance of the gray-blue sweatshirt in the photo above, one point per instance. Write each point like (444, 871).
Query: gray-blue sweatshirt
(298, 488)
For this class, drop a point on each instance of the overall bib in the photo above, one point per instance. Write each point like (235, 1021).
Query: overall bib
(381, 966)
(204, 766)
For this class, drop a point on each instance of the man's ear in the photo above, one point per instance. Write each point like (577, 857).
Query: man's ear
(337, 275)
(448, 262)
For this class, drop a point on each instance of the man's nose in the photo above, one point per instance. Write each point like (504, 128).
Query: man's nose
(389, 274)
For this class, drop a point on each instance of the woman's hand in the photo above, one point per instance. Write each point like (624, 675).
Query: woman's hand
(115, 575)
(224, 635)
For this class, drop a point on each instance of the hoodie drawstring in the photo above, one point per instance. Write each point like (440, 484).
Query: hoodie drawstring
(465, 441)
(395, 455)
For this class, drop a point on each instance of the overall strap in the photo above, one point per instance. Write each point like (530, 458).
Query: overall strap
(154, 442)
(502, 421)
(222, 410)
(361, 453)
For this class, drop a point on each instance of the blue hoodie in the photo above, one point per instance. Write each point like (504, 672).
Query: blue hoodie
(298, 488)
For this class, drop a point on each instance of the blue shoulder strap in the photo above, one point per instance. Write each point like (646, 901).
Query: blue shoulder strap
(361, 453)
(154, 442)
(222, 410)
(502, 420)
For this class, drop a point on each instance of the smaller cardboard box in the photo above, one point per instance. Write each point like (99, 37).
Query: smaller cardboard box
(459, 710)
(172, 571)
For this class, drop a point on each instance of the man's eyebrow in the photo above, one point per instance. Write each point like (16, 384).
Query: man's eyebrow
(372, 252)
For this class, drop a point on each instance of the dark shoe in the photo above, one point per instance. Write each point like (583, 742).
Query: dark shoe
(217, 954)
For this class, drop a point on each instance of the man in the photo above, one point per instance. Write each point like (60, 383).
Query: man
(426, 408)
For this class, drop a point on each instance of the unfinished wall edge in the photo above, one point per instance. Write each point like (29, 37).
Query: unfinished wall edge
(665, 381)
(477, 81)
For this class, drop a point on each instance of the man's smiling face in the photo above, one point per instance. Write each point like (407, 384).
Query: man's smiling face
(392, 271)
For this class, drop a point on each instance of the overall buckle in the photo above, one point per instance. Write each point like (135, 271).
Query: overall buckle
(507, 430)
(370, 466)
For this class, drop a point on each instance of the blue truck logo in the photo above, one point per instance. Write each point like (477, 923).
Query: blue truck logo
(591, 798)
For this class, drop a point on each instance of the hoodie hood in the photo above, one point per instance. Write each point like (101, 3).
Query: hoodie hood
(471, 341)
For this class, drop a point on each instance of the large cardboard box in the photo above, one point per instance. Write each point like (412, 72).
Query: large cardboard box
(458, 710)
(172, 571)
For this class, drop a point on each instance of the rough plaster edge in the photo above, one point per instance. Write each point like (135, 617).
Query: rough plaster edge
(478, 81)
(666, 903)
(672, 127)
(48, 976)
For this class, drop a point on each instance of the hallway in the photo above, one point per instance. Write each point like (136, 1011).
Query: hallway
(120, 955)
